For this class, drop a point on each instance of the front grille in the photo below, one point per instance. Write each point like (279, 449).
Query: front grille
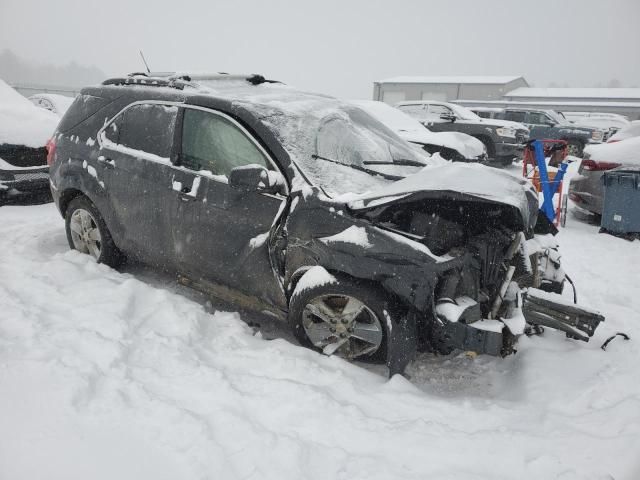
(26, 177)
(522, 137)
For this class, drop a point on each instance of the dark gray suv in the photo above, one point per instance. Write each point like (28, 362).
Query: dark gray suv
(304, 206)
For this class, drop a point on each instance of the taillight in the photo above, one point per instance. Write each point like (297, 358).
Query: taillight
(593, 166)
(51, 150)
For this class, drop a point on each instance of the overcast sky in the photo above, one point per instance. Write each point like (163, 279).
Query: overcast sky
(336, 46)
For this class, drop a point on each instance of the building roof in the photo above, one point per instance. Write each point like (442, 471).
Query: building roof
(577, 93)
(482, 80)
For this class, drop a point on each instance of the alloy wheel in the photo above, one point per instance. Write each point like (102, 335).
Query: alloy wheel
(85, 233)
(342, 325)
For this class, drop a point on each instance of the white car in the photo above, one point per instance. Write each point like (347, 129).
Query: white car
(24, 131)
(630, 131)
(453, 146)
(53, 102)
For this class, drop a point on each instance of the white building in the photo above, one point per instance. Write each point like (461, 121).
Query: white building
(398, 89)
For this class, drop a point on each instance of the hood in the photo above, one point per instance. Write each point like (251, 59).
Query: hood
(465, 181)
(504, 123)
(468, 146)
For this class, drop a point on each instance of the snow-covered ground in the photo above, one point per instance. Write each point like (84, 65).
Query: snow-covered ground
(108, 375)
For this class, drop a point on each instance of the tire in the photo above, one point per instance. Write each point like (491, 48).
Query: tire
(575, 148)
(313, 314)
(489, 145)
(88, 233)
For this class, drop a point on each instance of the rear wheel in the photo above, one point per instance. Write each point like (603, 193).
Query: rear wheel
(87, 232)
(343, 319)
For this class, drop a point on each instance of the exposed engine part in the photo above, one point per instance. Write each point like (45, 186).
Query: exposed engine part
(497, 302)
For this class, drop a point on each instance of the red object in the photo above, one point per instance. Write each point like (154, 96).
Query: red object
(594, 166)
(51, 150)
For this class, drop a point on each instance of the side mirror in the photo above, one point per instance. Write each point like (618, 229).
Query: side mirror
(256, 178)
(448, 117)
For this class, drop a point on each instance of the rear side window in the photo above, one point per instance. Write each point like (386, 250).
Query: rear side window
(146, 127)
(514, 116)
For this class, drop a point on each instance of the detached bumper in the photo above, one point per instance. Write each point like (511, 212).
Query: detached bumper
(499, 337)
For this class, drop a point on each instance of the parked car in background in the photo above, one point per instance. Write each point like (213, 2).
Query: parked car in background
(550, 124)
(503, 140)
(307, 207)
(630, 131)
(586, 189)
(609, 123)
(454, 146)
(53, 102)
(24, 131)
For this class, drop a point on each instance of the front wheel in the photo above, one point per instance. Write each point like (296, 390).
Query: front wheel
(343, 318)
(88, 233)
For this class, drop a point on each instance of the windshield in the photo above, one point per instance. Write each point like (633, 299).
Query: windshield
(557, 117)
(338, 146)
(463, 112)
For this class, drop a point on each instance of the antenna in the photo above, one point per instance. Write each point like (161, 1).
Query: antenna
(145, 62)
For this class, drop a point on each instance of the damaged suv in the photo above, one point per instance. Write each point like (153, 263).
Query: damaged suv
(307, 207)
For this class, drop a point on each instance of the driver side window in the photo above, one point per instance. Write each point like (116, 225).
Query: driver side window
(211, 142)
(437, 110)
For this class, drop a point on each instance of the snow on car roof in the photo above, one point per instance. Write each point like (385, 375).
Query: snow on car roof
(486, 80)
(21, 122)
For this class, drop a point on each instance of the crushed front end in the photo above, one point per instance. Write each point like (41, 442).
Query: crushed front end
(500, 275)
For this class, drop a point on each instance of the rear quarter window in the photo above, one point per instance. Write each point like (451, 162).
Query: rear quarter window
(82, 108)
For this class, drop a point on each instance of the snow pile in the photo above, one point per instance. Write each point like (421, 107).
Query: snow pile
(103, 376)
(314, 277)
(626, 152)
(58, 104)
(21, 122)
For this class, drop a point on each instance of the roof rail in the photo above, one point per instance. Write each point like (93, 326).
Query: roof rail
(181, 80)
(253, 78)
(148, 81)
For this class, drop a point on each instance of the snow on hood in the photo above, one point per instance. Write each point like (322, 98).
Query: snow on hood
(468, 146)
(471, 179)
(413, 131)
(626, 152)
(632, 130)
(504, 123)
(21, 122)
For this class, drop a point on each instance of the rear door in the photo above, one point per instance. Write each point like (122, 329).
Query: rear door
(136, 148)
(222, 234)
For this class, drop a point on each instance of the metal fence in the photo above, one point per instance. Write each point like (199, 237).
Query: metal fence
(29, 89)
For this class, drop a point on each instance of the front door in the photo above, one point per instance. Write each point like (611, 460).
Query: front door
(222, 234)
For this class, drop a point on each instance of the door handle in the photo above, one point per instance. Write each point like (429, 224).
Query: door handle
(185, 197)
(107, 162)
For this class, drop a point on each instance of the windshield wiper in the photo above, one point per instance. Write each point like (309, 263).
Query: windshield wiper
(403, 162)
(360, 169)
